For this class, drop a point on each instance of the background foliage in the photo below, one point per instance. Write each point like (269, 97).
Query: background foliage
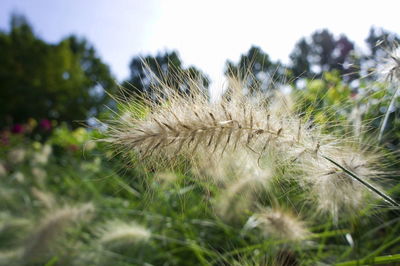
(47, 161)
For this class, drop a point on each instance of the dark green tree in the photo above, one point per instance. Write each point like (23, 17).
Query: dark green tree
(148, 71)
(323, 52)
(62, 81)
(256, 70)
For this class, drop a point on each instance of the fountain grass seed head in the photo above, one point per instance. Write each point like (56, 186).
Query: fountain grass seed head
(52, 227)
(118, 233)
(191, 126)
(278, 223)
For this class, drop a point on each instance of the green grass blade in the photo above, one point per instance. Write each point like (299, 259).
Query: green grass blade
(373, 261)
(365, 183)
(386, 118)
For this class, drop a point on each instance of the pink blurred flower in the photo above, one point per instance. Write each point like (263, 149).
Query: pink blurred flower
(18, 129)
(45, 124)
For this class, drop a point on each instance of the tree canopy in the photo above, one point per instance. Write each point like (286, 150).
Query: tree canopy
(256, 70)
(165, 67)
(62, 81)
(323, 52)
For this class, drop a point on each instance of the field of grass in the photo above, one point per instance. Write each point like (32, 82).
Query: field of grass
(287, 180)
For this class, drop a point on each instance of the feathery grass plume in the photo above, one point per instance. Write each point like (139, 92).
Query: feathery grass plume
(241, 176)
(41, 157)
(119, 234)
(334, 190)
(212, 168)
(237, 200)
(18, 176)
(390, 70)
(191, 126)
(43, 241)
(16, 155)
(278, 223)
(45, 199)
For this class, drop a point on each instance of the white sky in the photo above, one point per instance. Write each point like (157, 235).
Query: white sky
(206, 33)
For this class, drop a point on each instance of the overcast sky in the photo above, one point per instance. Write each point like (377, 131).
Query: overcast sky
(205, 33)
